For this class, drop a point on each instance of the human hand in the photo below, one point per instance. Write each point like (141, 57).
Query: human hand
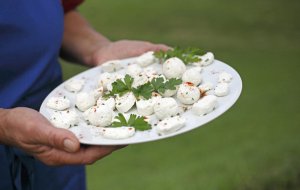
(29, 130)
(124, 49)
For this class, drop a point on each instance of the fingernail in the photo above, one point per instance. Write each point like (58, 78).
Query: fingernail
(70, 146)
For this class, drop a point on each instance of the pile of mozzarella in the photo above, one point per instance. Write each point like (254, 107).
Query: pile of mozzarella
(166, 108)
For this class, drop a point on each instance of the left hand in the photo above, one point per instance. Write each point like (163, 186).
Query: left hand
(124, 49)
(29, 130)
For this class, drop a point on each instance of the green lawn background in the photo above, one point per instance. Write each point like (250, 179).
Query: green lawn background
(256, 144)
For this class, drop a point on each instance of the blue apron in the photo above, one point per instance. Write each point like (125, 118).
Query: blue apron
(30, 39)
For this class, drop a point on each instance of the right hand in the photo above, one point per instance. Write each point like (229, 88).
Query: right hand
(27, 129)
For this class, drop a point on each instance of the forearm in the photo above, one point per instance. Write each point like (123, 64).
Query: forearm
(80, 40)
(3, 126)
(2, 118)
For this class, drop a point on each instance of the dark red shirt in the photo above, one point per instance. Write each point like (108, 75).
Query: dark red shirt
(70, 4)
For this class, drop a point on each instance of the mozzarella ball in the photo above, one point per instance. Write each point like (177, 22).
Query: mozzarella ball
(173, 68)
(115, 76)
(206, 87)
(149, 72)
(118, 76)
(188, 93)
(125, 102)
(98, 93)
(134, 69)
(99, 115)
(169, 93)
(64, 119)
(110, 102)
(205, 105)
(207, 59)
(222, 89)
(146, 59)
(145, 107)
(165, 107)
(74, 85)
(170, 125)
(139, 80)
(224, 77)
(156, 96)
(58, 103)
(192, 75)
(106, 79)
(117, 133)
(111, 66)
(84, 100)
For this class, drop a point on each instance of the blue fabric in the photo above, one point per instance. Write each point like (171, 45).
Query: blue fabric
(30, 36)
(30, 39)
(22, 172)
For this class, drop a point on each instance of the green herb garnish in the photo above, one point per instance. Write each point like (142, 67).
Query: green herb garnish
(159, 84)
(120, 87)
(187, 55)
(144, 90)
(138, 122)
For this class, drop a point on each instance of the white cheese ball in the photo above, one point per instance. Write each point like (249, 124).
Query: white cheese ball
(188, 93)
(206, 87)
(151, 77)
(106, 79)
(133, 69)
(74, 85)
(84, 100)
(145, 107)
(170, 125)
(169, 93)
(149, 72)
(207, 59)
(139, 79)
(173, 68)
(192, 75)
(117, 132)
(156, 96)
(205, 105)
(64, 119)
(58, 103)
(111, 66)
(165, 107)
(125, 102)
(225, 77)
(222, 89)
(115, 76)
(110, 102)
(118, 76)
(146, 59)
(98, 92)
(99, 115)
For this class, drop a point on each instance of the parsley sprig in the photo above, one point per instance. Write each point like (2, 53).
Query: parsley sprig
(138, 122)
(187, 55)
(120, 87)
(159, 84)
(144, 90)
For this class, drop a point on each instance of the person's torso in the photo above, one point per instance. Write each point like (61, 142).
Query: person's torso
(30, 38)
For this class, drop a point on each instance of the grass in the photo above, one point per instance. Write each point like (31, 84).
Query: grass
(256, 144)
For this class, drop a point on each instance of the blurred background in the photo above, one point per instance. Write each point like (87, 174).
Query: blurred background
(256, 144)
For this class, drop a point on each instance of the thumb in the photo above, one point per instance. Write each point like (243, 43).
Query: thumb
(61, 139)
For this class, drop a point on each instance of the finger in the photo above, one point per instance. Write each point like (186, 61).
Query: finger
(94, 153)
(86, 155)
(61, 139)
(162, 47)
